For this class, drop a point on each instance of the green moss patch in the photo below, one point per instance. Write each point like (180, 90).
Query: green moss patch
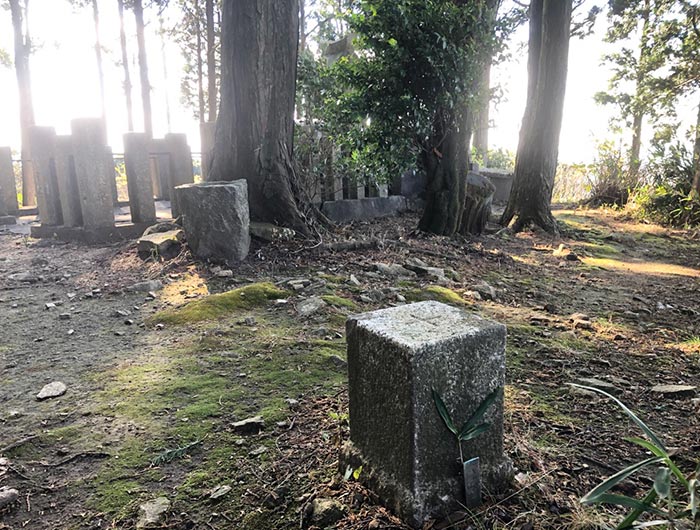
(218, 305)
(339, 301)
(437, 293)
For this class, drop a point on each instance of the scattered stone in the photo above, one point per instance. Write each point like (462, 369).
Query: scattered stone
(269, 232)
(258, 451)
(366, 299)
(293, 403)
(160, 244)
(583, 324)
(71, 331)
(165, 226)
(146, 287)
(224, 273)
(324, 513)
(64, 316)
(675, 391)
(393, 270)
(122, 313)
(337, 361)
(26, 277)
(52, 390)
(8, 496)
(249, 426)
(219, 492)
(572, 256)
(474, 295)
(128, 322)
(353, 280)
(486, 291)
(600, 385)
(250, 321)
(50, 305)
(152, 512)
(310, 306)
(400, 298)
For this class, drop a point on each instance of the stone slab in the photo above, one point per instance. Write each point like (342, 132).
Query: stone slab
(160, 243)
(181, 170)
(364, 209)
(137, 162)
(94, 180)
(43, 148)
(79, 234)
(502, 180)
(8, 188)
(7, 220)
(396, 357)
(67, 182)
(216, 219)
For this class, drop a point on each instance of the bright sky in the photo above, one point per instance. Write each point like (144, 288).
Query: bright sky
(65, 83)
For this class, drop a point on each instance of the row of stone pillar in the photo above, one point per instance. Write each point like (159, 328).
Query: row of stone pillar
(8, 191)
(75, 176)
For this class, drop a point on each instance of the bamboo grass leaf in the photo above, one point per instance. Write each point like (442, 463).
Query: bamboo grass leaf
(479, 413)
(442, 410)
(596, 493)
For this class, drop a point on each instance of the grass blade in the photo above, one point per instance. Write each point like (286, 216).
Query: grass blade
(442, 409)
(479, 413)
(622, 500)
(596, 493)
(657, 451)
(629, 413)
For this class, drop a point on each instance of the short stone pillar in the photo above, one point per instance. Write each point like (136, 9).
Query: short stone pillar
(160, 169)
(43, 148)
(396, 357)
(216, 219)
(111, 174)
(94, 186)
(181, 170)
(138, 178)
(8, 189)
(207, 133)
(67, 182)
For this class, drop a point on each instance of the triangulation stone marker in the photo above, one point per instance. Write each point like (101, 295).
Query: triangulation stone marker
(396, 357)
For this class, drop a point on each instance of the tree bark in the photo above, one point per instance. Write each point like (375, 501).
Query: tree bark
(125, 65)
(638, 107)
(695, 188)
(100, 69)
(211, 61)
(254, 132)
(23, 48)
(143, 69)
(481, 128)
(538, 148)
(200, 66)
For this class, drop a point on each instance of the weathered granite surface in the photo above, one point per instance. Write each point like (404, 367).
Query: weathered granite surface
(8, 189)
(138, 178)
(216, 219)
(67, 182)
(396, 357)
(363, 209)
(43, 148)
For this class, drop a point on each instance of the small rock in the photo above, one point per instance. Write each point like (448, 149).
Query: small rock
(258, 451)
(337, 361)
(600, 385)
(474, 295)
(485, 290)
(249, 426)
(64, 316)
(71, 331)
(353, 280)
(583, 324)
(310, 306)
(225, 273)
(26, 277)
(365, 299)
(572, 256)
(160, 244)
(8, 496)
(152, 512)
(146, 287)
(293, 403)
(675, 391)
(219, 492)
(49, 306)
(269, 232)
(579, 316)
(52, 390)
(400, 298)
(250, 321)
(394, 270)
(122, 313)
(165, 226)
(324, 512)
(128, 322)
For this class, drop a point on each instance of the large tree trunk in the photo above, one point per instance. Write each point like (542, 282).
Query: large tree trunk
(254, 131)
(637, 106)
(23, 48)
(538, 148)
(695, 189)
(125, 65)
(200, 66)
(143, 69)
(100, 69)
(211, 61)
(481, 125)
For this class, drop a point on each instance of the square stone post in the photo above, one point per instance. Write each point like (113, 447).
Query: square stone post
(96, 201)
(396, 357)
(8, 189)
(138, 178)
(43, 149)
(111, 174)
(67, 182)
(161, 169)
(181, 170)
(383, 190)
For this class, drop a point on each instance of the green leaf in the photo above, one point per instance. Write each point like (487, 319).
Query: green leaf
(629, 413)
(442, 409)
(596, 493)
(392, 42)
(622, 500)
(474, 432)
(356, 474)
(662, 482)
(479, 413)
(657, 451)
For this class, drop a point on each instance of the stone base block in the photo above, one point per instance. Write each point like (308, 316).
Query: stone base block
(396, 357)
(364, 209)
(8, 220)
(216, 219)
(502, 180)
(109, 234)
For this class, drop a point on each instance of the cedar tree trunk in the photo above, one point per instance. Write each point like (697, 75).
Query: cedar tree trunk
(125, 65)
(23, 47)
(695, 189)
(211, 61)
(100, 69)
(254, 130)
(143, 69)
(536, 161)
(481, 125)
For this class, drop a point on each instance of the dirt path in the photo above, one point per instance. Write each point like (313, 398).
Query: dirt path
(151, 399)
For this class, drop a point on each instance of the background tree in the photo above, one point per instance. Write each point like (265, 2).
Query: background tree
(254, 132)
(407, 98)
(212, 76)
(23, 49)
(125, 65)
(137, 7)
(538, 146)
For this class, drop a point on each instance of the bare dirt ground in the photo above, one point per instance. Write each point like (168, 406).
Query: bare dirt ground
(151, 400)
